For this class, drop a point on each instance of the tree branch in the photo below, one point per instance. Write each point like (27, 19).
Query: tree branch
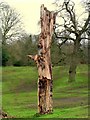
(62, 37)
(71, 13)
(33, 57)
(60, 44)
(85, 25)
(84, 38)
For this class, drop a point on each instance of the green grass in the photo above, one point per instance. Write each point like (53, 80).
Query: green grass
(19, 87)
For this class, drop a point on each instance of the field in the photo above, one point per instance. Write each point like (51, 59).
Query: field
(19, 87)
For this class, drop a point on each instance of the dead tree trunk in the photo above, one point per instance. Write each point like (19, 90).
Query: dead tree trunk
(43, 61)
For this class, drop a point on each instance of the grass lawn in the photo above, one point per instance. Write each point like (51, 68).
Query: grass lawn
(19, 87)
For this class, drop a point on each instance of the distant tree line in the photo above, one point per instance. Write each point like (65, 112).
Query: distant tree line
(15, 53)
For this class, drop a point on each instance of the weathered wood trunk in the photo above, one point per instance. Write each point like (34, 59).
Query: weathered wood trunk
(43, 61)
(74, 61)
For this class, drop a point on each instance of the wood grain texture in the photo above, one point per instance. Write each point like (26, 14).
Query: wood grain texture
(43, 61)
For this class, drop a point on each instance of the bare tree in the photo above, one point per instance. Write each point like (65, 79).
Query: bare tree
(11, 26)
(71, 29)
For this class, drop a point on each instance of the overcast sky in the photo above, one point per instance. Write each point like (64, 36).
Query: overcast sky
(30, 11)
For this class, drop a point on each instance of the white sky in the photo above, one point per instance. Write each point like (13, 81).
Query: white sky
(30, 11)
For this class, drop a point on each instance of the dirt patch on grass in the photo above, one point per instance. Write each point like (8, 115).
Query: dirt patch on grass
(70, 101)
(76, 89)
(25, 86)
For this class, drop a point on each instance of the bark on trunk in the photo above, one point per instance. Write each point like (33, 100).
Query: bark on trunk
(43, 61)
(72, 70)
(74, 62)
